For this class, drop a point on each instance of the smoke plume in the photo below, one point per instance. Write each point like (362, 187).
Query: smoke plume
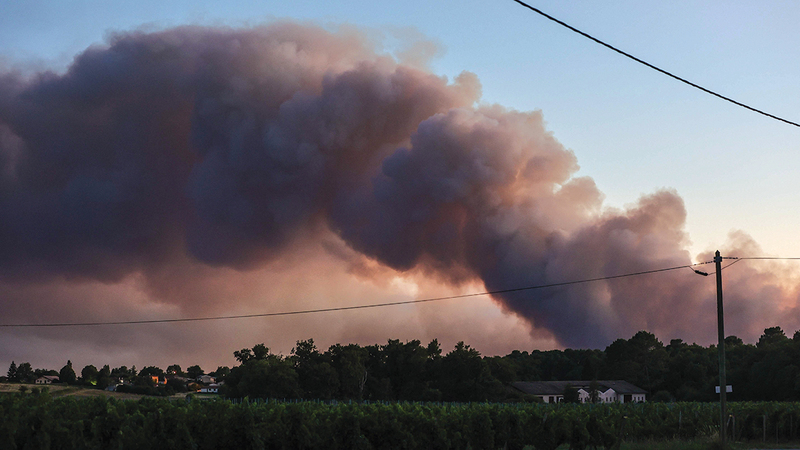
(175, 157)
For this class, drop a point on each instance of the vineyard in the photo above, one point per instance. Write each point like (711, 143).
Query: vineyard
(40, 421)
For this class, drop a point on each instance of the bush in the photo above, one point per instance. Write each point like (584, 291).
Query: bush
(662, 397)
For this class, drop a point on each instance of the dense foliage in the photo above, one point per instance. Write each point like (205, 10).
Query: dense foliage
(395, 371)
(768, 370)
(128, 380)
(39, 421)
(411, 371)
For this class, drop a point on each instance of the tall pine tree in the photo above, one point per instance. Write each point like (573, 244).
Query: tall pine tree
(12, 372)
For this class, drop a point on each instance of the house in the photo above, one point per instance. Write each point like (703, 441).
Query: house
(47, 379)
(206, 379)
(158, 379)
(608, 391)
(210, 389)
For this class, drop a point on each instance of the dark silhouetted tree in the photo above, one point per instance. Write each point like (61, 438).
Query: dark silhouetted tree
(174, 369)
(89, 374)
(772, 336)
(350, 361)
(733, 341)
(571, 394)
(176, 385)
(194, 371)
(67, 374)
(268, 376)
(25, 373)
(104, 377)
(594, 392)
(12, 372)
(123, 372)
(221, 373)
(464, 375)
(260, 351)
(316, 375)
(243, 355)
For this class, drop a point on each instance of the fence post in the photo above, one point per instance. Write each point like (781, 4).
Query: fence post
(764, 427)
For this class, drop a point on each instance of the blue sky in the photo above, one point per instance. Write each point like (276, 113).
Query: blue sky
(632, 129)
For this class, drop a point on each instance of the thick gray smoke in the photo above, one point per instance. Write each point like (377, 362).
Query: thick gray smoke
(231, 146)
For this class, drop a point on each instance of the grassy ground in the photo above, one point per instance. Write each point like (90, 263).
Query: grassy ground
(14, 387)
(63, 390)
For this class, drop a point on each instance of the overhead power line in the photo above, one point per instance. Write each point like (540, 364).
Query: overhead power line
(656, 68)
(769, 257)
(343, 308)
(736, 260)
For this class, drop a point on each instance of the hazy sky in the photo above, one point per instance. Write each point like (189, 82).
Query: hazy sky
(632, 130)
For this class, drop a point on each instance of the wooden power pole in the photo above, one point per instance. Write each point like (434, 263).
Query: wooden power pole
(723, 423)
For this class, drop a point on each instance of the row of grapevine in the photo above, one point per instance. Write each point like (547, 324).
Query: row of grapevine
(39, 421)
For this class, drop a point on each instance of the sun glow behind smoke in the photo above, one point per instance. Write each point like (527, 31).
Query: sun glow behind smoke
(201, 171)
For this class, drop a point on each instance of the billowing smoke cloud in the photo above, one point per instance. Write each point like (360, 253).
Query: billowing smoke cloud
(179, 155)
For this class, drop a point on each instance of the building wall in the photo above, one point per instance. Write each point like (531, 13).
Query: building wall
(551, 398)
(610, 396)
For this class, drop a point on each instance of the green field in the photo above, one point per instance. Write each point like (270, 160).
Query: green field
(41, 420)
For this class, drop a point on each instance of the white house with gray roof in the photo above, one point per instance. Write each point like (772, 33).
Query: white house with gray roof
(608, 391)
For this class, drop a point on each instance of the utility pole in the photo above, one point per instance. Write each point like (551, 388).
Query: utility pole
(723, 424)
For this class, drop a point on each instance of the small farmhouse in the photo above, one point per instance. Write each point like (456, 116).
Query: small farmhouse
(206, 379)
(608, 391)
(47, 379)
(210, 389)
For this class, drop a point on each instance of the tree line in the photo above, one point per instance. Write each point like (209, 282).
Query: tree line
(677, 371)
(169, 382)
(765, 371)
